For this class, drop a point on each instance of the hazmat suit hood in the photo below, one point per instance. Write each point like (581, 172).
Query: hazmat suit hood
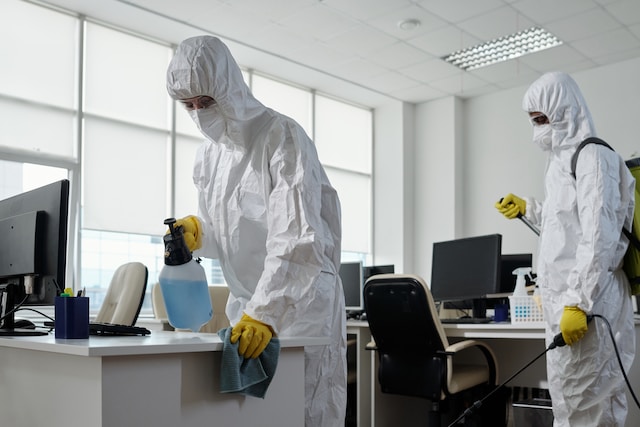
(558, 97)
(203, 66)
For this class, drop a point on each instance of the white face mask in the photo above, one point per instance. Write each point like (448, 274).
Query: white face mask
(542, 136)
(210, 122)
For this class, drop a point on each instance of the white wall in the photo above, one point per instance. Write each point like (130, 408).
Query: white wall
(455, 193)
(392, 179)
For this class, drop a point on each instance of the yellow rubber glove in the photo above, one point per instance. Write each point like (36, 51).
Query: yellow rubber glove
(573, 324)
(192, 231)
(511, 206)
(254, 336)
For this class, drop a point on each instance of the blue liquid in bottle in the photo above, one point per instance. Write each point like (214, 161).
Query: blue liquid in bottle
(186, 298)
(183, 284)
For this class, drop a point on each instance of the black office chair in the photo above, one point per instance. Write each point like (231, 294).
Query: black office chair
(415, 357)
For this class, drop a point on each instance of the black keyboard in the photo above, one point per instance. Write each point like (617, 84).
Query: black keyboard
(111, 329)
(467, 320)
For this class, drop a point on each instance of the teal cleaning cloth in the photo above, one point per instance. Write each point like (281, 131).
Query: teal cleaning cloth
(247, 376)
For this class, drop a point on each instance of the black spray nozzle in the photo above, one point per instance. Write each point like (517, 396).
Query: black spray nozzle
(558, 341)
(176, 251)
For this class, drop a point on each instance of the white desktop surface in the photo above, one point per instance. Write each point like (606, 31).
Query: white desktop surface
(158, 342)
(166, 379)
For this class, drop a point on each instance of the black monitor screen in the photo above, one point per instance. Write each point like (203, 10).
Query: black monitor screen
(509, 263)
(466, 268)
(33, 266)
(351, 276)
(372, 270)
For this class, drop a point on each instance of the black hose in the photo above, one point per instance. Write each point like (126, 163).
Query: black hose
(558, 341)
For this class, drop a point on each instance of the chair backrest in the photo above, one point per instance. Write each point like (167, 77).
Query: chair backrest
(125, 294)
(219, 295)
(157, 303)
(408, 334)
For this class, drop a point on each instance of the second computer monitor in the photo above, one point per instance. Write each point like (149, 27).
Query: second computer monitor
(352, 279)
(466, 269)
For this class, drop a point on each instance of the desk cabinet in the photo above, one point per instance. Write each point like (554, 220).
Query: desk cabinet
(167, 379)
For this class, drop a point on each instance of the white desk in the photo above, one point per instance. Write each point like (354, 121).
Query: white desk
(165, 379)
(514, 346)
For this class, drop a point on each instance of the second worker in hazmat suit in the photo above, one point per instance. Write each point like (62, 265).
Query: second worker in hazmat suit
(581, 249)
(268, 212)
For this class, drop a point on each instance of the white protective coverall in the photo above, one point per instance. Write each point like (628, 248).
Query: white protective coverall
(580, 256)
(270, 215)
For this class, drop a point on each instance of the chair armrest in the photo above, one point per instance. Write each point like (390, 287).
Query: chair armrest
(486, 351)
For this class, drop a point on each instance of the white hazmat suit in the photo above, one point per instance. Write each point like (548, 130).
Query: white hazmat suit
(580, 256)
(270, 215)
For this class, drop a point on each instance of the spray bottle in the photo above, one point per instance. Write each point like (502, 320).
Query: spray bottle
(183, 283)
(520, 290)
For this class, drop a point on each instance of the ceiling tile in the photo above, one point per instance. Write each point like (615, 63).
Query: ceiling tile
(391, 80)
(367, 9)
(626, 11)
(317, 21)
(607, 43)
(582, 25)
(497, 23)
(554, 58)
(458, 84)
(459, 10)
(430, 70)
(357, 69)
(444, 41)
(503, 71)
(397, 55)
(389, 22)
(545, 11)
(361, 40)
(418, 93)
(318, 55)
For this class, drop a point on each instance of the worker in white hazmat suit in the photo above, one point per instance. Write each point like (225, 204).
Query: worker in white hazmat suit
(268, 212)
(581, 249)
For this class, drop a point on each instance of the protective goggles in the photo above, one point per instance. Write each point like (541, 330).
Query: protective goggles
(539, 120)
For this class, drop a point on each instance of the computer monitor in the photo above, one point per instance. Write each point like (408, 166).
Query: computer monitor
(33, 226)
(372, 270)
(352, 284)
(467, 269)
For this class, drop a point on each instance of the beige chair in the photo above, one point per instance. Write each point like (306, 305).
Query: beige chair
(124, 296)
(415, 357)
(218, 294)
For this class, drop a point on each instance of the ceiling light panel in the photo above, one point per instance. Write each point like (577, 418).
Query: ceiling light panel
(504, 48)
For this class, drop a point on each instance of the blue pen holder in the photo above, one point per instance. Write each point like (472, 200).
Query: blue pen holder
(72, 317)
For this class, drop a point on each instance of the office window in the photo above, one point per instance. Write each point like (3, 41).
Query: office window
(354, 191)
(344, 135)
(122, 83)
(344, 141)
(38, 48)
(286, 99)
(124, 178)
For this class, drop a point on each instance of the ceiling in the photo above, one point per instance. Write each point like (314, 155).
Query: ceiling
(355, 49)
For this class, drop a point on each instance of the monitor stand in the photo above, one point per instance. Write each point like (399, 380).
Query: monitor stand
(7, 311)
(479, 310)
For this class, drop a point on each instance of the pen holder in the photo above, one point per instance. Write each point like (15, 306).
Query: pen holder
(72, 317)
